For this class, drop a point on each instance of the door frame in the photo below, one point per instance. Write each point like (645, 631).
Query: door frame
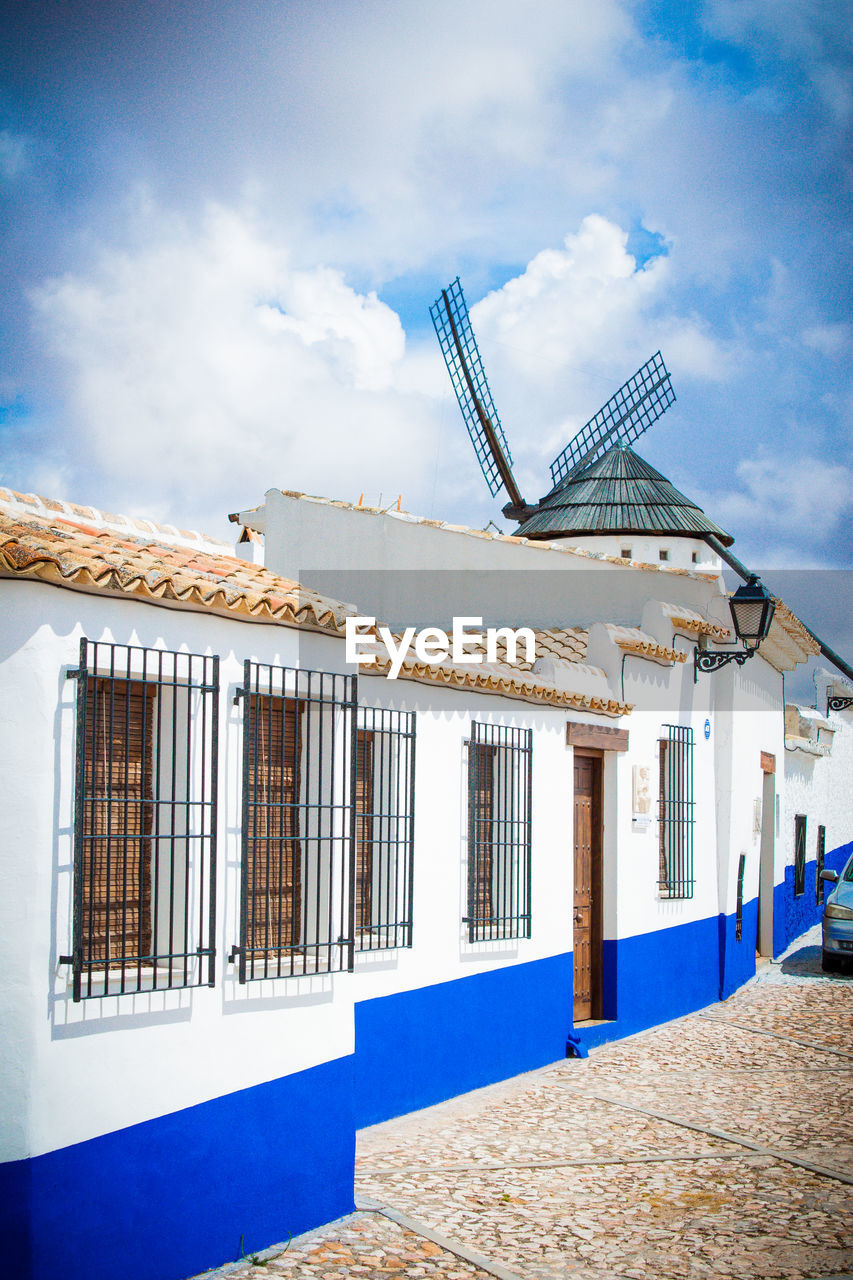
(596, 879)
(767, 856)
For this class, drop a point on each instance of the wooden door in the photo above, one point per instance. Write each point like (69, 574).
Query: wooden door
(587, 909)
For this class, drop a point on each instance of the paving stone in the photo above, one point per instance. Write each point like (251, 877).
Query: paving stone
(538, 1177)
(363, 1245)
(670, 1219)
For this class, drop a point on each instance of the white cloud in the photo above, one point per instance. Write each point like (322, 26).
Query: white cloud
(817, 37)
(361, 337)
(203, 368)
(783, 510)
(590, 305)
(14, 154)
(564, 335)
(394, 133)
(828, 339)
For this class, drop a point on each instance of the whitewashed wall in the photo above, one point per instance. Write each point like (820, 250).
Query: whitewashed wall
(819, 786)
(441, 951)
(679, 552)
(79, 1070)
(406, 568)
(748, 720)
(170, 1050)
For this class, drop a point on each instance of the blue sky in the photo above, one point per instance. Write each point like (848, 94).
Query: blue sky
(222, 227)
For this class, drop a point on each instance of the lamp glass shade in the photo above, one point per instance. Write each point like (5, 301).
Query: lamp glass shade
(752, 612)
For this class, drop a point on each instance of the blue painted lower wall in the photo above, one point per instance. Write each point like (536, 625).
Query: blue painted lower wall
(173, 1196)
(737, 958)
(794, 913)
(653, 977)
(422, 1046)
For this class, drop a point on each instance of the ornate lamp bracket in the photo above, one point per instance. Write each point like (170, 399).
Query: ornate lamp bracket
(707, 660)
(838, 703)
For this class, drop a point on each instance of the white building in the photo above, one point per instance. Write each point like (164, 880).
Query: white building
(253, 899)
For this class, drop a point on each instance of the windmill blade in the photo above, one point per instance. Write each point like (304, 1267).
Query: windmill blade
(633, 409)
(461, 355)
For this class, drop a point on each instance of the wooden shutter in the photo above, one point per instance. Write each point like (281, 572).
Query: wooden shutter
(363, 829)
(481, 800)
(273, 871)
(117, 816)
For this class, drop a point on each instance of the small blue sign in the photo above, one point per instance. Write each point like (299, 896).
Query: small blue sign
(707, 729)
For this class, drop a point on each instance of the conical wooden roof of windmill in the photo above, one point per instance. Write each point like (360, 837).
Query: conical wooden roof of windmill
(618, 493)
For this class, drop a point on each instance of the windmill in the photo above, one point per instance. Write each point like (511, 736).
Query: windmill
(597, 470)
(623, 419)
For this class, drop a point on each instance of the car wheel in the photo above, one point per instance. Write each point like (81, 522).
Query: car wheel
(829, 962)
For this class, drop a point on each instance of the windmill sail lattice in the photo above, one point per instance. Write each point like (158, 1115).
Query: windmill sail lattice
(461, 355)
(627, 414)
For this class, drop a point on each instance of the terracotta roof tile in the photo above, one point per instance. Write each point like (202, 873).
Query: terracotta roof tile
(508, 681)
(568, 644)
(62, 551)
(633, 640)
(517, 679)
(796, 630)
(130, 526)
(684, 619)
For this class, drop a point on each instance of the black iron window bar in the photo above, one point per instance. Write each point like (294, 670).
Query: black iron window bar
(741, 868)
(384, 828)
(799, 854)
(500, 762)
(297, 885)
(144, 868)
(676, 812)
(820, 864)
(752, 611)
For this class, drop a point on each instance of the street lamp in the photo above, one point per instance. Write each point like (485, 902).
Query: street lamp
(752, 612)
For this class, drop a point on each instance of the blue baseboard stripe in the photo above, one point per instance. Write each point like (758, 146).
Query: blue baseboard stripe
(420, 1047)
(173, 1196)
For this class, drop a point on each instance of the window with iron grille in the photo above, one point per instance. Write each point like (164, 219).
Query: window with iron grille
(499, 791)
(676, 812)
(297, 890)
(384, 828)
(144, 820)
(821, 863)
(799, 854)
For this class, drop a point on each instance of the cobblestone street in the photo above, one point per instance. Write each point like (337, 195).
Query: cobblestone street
(720, 1145)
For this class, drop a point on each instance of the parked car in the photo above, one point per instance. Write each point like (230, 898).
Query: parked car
(838, 920)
